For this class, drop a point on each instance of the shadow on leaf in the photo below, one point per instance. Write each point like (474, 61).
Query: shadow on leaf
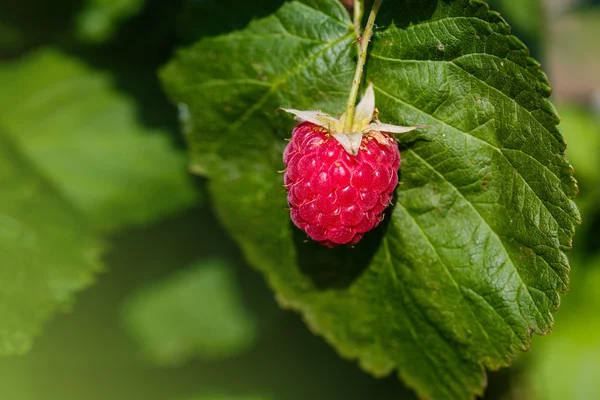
(339, 267)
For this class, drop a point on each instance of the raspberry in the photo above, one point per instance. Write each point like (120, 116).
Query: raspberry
(341, 173)
(336, 197)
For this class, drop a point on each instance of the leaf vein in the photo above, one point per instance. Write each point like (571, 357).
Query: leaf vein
(492, 232)
(496, 148)
(283, 79)
(339, 21)
(411, 326)
(455, 283)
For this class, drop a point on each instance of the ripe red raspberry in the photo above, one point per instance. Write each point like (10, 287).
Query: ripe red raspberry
(336, 197)
(341, 173)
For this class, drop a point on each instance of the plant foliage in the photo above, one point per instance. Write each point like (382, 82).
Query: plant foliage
(472, 260)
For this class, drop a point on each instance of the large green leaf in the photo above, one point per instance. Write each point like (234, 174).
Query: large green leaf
(47, 253)
(472, 260)
(85, 136)
(197, 313)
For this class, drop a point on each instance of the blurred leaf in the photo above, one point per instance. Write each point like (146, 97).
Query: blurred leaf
(99, 19)
(566, 365)
(473, 259)
(47, 252)
(581, 128)
(197, 313)
(86, 138)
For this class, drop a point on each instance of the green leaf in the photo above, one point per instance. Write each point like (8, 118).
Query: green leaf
(197, 313)
(99, 19)
(47, 252)
(85, 136)
(472, 260)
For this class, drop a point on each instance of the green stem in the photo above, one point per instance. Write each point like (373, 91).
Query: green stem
(362, 59)
(359, 9)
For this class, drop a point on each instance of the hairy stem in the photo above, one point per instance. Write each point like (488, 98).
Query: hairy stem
(362, 59)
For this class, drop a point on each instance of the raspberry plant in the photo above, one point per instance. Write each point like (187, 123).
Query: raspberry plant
(467, 265)
(472, 261)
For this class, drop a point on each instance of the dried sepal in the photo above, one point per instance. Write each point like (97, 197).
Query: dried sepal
(365, 122)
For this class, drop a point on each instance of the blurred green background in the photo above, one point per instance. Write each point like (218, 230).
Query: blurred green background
(178, 314)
